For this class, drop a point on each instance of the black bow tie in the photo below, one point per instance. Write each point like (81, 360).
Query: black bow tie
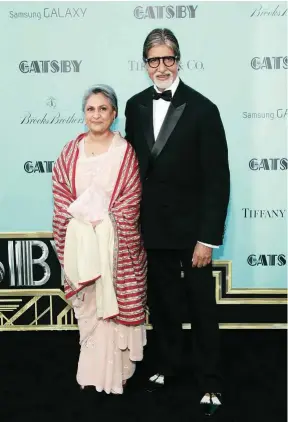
(165, 95)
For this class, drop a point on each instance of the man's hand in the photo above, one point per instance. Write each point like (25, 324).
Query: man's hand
(202, 255)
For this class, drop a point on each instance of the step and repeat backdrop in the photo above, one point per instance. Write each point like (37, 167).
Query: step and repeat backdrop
(235, 53)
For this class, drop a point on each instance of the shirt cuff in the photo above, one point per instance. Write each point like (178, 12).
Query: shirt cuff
(207, 244)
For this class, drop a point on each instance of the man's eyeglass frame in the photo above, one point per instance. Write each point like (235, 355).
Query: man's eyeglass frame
(164, 59)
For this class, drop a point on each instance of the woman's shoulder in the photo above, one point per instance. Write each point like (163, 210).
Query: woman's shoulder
(70, 145)
(125, 144)
(118, 138)
(120, 142)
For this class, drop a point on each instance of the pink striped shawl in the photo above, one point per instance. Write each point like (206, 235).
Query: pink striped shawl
(130, 265)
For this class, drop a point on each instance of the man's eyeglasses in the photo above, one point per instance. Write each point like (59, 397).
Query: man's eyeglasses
(167, 60)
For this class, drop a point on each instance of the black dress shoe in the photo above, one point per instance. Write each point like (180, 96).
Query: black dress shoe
(155, 383)
(210, 403)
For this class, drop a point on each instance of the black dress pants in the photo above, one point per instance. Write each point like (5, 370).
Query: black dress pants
(167, 294)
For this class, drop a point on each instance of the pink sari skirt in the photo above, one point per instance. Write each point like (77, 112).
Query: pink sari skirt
(108, 351)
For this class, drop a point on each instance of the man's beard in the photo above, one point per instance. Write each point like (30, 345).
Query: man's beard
(163, 84)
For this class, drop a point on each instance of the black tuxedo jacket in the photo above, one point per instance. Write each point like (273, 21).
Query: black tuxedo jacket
(185, 173)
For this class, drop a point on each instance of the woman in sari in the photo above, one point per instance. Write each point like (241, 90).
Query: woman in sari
(97, 191)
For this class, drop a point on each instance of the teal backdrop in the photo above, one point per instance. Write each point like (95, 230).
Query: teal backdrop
(235, 53)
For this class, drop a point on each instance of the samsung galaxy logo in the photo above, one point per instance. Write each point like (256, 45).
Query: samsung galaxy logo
(50, 13)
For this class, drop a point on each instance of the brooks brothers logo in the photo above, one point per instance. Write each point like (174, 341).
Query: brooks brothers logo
(270, 11)
(269, 63)
(268, 164)
(52, 116)
(50, 13)
(51, 102)
(138, 65)
(165, 12)
(280, 113)
(50, 66)
(38, 166)
(264, 213)
(267, 260)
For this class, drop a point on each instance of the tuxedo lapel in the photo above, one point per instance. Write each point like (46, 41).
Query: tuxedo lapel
(172, 117)
(170, 121)
(146, 109)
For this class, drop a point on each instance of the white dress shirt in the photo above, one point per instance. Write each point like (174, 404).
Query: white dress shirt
(160, 108)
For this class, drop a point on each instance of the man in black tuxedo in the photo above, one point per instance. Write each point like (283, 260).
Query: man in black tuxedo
(180, 143)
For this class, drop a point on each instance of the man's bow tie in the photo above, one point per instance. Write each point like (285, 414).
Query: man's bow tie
(165, 95)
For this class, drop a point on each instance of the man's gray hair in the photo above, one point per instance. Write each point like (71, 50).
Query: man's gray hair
(161, 36)
(101, 89)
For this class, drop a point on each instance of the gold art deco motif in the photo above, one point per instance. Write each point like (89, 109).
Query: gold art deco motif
(40, 310)
(36, 310)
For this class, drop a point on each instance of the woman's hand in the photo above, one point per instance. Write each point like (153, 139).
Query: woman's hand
(94, 223)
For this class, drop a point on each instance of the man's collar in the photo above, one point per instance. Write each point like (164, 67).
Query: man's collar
(172, 88)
